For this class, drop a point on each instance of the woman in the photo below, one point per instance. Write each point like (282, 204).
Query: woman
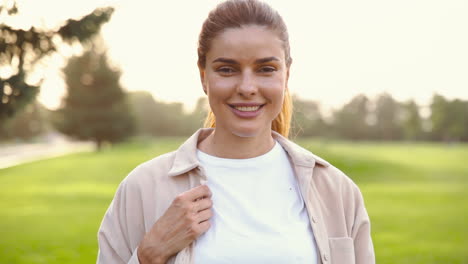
(240, 191)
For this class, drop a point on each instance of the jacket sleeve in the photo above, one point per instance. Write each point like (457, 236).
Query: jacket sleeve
(122, 227)
(361, 234)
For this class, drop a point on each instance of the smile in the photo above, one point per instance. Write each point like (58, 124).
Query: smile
(246, 110)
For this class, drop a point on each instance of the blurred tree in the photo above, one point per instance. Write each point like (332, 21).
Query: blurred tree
(449, 119)
(171, 119)
(155, 118)
(145, 112)
(21, 49)
(439, 119)
(351, 121)
(465, 121)
(95, 107)
(307, 119)
(411, 121)
(457, 111)
(198, 116)
(387, 116)
(25, 125)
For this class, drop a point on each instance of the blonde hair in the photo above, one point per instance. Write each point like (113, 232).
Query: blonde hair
(234, 14)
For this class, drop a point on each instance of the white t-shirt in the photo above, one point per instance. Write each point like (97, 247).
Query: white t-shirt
(259, 213)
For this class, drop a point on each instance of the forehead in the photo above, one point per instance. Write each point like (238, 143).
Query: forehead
(247, 42)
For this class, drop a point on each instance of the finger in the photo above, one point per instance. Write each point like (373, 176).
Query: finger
(198, 192)
(204, 226)
(204, 215)
(203, 204)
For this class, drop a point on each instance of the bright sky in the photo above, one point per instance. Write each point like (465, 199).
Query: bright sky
(409, 48)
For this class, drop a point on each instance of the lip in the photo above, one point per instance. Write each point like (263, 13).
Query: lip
(246, 104)
(243, 114)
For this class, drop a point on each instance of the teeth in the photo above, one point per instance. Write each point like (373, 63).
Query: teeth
(247, 108)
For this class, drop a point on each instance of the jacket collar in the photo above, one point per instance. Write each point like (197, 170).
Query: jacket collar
(186, 155)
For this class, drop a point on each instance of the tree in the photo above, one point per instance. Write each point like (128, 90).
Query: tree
(351, 121)
(144, 109)
(95, 107)
(457, 111)
(439, 118)
(411, 121)
(307, 119)
(21, 49)
(25, 125)
(198, 116)
(387, 114)
(155, 118)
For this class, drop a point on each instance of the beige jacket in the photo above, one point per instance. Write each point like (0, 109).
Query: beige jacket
(335, 205)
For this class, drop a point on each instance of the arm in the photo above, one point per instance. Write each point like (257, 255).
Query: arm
(122, 237)
(363, 247)
(115, 245)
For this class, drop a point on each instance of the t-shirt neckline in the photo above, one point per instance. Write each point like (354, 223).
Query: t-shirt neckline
(206, 158)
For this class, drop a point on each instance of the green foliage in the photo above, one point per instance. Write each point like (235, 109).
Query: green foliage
(307, 119)
(21, 49)
(411, 121)
(387, 111)
(155, 118)
(95, 107)
(351, 121)
(25, 125)
(449, 119)
(384, 119)
(415, 195)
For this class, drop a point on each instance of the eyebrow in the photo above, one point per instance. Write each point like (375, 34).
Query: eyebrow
(258, 61)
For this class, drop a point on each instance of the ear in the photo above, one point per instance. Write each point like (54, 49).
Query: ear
(202, 78)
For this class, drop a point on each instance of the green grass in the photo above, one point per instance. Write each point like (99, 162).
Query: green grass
(416, 195)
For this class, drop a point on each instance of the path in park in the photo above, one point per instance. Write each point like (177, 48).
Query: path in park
(15, 154)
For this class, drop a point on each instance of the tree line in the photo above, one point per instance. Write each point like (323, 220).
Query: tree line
(362, 118)
(384, 118)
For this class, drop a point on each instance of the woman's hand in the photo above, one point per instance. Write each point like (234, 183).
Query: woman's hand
(183, 222)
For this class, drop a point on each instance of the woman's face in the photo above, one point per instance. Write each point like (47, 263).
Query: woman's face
(245, 78)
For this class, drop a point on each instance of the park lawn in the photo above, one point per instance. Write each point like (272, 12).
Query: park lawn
(416, 195)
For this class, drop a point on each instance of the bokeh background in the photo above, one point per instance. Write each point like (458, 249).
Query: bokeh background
(90, 89)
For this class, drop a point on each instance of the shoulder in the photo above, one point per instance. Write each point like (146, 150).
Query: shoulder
(337, 190)
(145, 176)
(327, 178)
(149, 171)
(333, 179)
(146, 189)
(160, 170)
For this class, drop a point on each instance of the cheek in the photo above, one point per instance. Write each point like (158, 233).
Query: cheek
(220, 86)
(274, 90)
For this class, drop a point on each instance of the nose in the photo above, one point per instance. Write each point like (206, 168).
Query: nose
(247, 86)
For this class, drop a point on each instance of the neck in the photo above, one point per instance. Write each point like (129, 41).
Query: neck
(230, 146)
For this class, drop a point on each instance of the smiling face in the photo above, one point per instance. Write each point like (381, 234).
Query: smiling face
(245, 78)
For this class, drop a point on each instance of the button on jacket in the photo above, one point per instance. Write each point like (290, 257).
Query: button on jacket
(334, 203)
